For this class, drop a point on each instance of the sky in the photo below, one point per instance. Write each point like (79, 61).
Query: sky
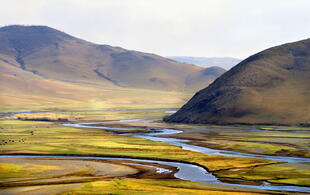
(205, 28)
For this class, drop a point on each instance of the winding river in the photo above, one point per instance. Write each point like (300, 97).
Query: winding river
(192, 172)
(185, 171)
(182, 142)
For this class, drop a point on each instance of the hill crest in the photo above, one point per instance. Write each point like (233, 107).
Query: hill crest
(53, 54)
(270, 87)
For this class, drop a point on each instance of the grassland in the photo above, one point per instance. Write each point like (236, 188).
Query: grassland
(37, 137)
(134, 186)
(49, 137)
(114, 114)
(282, 128)
(276, 140)
(288, 173)
(94, 99)
(292, 142)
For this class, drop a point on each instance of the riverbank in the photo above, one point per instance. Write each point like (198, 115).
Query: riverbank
(52, 138)
(145, 170)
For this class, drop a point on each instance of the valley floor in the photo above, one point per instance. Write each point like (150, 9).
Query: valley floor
(42, 133)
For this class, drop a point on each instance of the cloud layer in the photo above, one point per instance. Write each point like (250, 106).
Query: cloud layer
(236, 28)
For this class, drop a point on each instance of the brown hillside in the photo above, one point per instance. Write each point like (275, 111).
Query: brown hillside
(20, 89)
(52, 54)
(270, 87)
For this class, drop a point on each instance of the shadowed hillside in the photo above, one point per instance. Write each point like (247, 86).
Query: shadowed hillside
(270, 87)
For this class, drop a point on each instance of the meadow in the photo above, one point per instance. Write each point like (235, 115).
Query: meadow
(28, 133)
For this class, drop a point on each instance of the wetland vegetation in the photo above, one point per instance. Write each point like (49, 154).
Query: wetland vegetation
(50, 137)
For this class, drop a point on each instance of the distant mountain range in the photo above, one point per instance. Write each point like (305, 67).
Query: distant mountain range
(270, 87)
(42, 61)
(223, 62)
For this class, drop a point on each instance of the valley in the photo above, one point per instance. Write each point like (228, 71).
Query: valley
(131, 135)
(77, 117)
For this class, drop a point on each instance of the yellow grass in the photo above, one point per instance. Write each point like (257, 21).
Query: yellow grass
(148, 186)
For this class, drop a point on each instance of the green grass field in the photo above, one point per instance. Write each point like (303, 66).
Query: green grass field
(51, 138)
(48, 137)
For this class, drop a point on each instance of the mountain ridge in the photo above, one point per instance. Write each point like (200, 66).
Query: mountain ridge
(41, 65)
(56, 55)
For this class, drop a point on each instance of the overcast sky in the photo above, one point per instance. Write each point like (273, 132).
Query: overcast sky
(208, 28)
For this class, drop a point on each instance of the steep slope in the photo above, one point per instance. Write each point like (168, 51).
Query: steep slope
(52, 54)
(270, 87)
(223, 62)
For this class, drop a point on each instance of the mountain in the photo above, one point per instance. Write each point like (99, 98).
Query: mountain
(52, 54)
(41, 64)
(270, 87)
(224, 62)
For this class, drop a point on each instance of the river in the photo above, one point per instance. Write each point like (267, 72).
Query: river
(192, 172)
(185, 171)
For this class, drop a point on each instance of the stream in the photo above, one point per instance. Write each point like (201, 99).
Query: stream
(191, 172)
(185, 171)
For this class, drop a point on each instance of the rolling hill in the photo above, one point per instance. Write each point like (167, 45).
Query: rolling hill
(270, 87)
(41, 64)
(52, 54)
